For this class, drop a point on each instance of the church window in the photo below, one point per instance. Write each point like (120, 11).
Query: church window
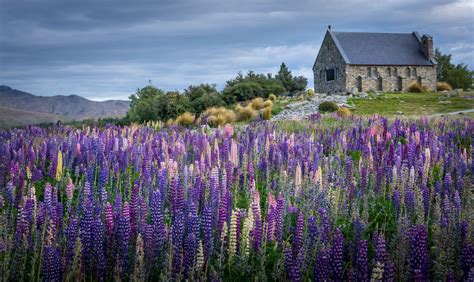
(330, 75)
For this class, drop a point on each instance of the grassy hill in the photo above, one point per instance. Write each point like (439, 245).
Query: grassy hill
(22, 108)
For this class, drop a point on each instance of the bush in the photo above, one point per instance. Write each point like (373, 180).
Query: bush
(327, 106)
(257, 103)
(415, 87)
(185, 119)
(343, 112)
(442, 86)
(267, 113)
(245, 113)
(242, 91)
(202, 97)
(219, 116)
(267, 104)
(272, 97)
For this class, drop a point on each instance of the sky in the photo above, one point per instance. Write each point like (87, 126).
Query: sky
(108, 49)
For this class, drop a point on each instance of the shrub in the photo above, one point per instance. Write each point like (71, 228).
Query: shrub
(327, 106)
(272, 97)
(219, 116)
(415, 87)
(343, 112)
(442, 86)
(245, 113)
(267, 104)
(267, 113)
(185, 119)
(257, 103)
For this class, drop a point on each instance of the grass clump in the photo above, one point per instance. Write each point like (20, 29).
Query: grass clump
(245, 113)
(218, 116)
(343, 112)
(327, 106)
(442, 86)
(267, 113)
(257, 104)
(415, 87)
(186, 119)
(272, 97)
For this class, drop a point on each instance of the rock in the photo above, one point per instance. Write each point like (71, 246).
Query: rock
(444, 102)
(399, 113)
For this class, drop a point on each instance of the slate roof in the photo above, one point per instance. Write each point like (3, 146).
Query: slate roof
(363, 48)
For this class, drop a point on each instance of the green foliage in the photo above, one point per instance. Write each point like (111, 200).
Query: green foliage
(327, 106)
(458, 76)
(250, 86)
(202, 97)
(151, 103)
(291, 84)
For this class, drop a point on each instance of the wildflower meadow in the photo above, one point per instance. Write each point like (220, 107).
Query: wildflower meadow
(361, 199)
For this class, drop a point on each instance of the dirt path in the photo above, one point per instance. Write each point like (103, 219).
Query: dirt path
(453, 113)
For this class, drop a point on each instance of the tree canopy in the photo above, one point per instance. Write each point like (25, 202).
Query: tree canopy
(458, 76)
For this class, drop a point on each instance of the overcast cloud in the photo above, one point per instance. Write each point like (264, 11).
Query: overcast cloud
(108, 49)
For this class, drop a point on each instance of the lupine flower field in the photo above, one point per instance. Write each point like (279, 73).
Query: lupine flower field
(358, 200)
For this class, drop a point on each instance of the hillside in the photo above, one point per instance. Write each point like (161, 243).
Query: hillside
(25, 108)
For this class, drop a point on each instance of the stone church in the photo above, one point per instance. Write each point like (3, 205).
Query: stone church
(350, 62)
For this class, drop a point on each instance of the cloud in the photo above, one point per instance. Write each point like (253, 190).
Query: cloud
(105, 49)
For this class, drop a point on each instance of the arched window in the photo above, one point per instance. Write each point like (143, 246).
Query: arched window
(407, 72)
(369, 72)
(321, 75)
(375, 72)
(389, 72)
(395, 72)
(413, 72)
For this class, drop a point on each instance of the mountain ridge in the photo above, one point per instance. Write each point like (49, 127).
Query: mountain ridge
(62, 107)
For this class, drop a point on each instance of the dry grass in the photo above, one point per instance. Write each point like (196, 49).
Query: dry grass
(245, 113)
(219, 116)
(442, 86)
(185, 119)
(257, 104)
(267, 104)
(267, 113)
(415, 87)
(343, 112)
(272, 97)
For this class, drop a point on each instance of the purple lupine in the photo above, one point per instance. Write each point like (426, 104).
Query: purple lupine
(51, 264)
(207, 231)
(177, 234)
(324, 226)
(337, 255)
(222, 212)
(190, 251)
(362, 263)
(298, 239)
(86, 224)
(98, 247)
(467, 259)
(124, 231)
(134, 209)
(419, 260)
(322, 268)
(279, 219)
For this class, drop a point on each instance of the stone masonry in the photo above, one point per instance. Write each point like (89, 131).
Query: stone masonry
(344, 76)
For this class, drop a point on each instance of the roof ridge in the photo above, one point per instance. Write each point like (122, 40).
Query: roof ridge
(362, 32)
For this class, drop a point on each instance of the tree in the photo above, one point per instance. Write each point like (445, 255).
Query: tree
(203, 96)
(458, 76)
(151, 103)
(285, 77)
(291, 84)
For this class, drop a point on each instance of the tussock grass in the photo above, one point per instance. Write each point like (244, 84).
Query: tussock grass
(442, 86)
(219, 116)
(186, 119)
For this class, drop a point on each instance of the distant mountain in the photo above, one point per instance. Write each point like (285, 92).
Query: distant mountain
(65, 108)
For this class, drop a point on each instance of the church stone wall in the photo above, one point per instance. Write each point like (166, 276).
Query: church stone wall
(329, 58)
(388, 78)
